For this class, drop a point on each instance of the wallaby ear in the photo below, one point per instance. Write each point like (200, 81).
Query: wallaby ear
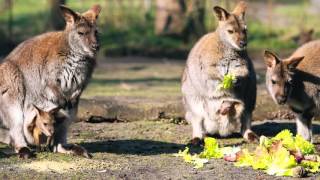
(35, 109)
(293, 62)
(221, 13)
(69, 15)
(270, 59)
(54, 110)
(311, 31)
(240, 9)
(93, 13)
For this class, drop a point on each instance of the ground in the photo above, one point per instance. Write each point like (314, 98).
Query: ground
(140, 149)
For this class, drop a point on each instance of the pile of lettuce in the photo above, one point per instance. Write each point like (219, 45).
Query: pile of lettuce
(282, 155)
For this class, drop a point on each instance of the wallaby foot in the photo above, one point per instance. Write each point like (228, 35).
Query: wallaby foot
(196, 142)
(72, 149)
(25, 153)
(250, 137)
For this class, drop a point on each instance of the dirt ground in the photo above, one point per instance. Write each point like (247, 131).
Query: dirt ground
(141, 149)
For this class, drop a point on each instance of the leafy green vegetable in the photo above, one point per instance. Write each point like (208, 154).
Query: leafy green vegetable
(294, 143)
(265, 142)
(211, 149)
(192, 159)
(311, 166)
(282, 155)
(304, 146)
(227, 82)
(244, 159)
(287, 139)
(281, 163)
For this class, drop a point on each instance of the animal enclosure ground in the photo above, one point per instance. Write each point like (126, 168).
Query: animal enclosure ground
(140, 149)
(134, 150)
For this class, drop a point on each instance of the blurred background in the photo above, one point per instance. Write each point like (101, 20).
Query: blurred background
(144, 43)
(162, 28)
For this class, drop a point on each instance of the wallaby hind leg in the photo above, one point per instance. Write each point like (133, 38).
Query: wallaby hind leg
(4, 136)
(60, 136)
(194, 115)
(246, 131)
(304, 126)
(197, 125)
(18, 141)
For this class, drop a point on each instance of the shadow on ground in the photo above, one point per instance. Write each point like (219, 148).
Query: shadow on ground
(269, 128)
(134, 147)
(151, 147)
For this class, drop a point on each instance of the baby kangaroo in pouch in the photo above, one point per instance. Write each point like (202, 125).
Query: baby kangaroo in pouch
(42, 127)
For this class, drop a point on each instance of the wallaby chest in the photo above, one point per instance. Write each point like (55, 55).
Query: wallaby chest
(74, 74)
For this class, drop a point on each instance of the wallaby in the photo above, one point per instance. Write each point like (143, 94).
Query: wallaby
(215, 55)
(49, 70)
(228, 116)
(39, 126)
(303, 37)
(295, 81)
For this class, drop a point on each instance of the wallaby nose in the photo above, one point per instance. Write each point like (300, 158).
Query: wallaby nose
(281, 100)
(95, 46)
(243, 44)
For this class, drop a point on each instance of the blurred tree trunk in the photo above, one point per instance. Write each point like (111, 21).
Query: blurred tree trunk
(9, 6)
(182, 18)
(56, 19)
(170, 17)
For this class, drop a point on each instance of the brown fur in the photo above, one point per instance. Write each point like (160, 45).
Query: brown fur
(215, 55)
(42, 127)
(296, 82)
(50, 70)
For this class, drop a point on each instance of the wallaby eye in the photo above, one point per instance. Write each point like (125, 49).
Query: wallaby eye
(230, 31)
(81, 33)
(244, 31)
(45, 124)
(273, 82)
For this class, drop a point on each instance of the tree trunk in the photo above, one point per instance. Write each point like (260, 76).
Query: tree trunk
(56, 19)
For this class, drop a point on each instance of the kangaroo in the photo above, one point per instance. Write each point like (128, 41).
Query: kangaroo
(295, 81)
(303, 37)
(228, 116)
(49, 70)
(215, 55)
(39, 125)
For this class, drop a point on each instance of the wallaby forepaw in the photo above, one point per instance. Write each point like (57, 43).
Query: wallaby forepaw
(196, 142)
(251, 137)
(25, 153)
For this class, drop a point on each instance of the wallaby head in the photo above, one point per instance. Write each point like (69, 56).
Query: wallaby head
(44, 120)
(81, 29)
(232, 27)
(231, 108)
(279, 76)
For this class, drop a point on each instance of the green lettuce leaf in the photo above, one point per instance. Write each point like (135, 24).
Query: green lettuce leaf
(211, 149)
(282, 162)
(244, 158)
(304, 146)
(227, 82)
(311, 166)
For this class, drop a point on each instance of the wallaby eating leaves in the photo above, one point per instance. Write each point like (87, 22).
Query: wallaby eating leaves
(217, 55)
